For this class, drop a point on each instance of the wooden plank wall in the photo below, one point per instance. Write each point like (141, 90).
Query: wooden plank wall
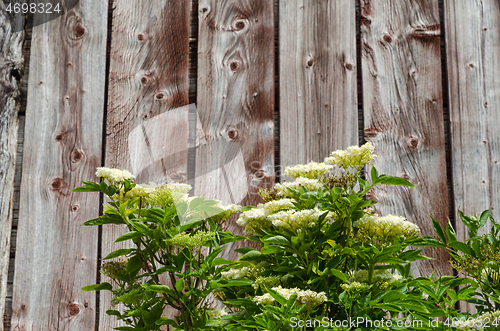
(318, 92)
(473, 44)
(55, 255)
(227, 67)
(11, 67)
(403, 110)
(147, 119)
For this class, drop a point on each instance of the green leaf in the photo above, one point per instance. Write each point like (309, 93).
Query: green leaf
(98, 287)
(230, 282)
(460, 246)
(87, 187)
(134, 265)
(220, 261)
(483, 218)
(119, 252)
(113, 312)
(391, 180)
(179, 285)
(141, 227)
(339, 275)
(450, 232)
(270, 249)
(160, 289)
(254, 255)
(276, 240)
(439, 230)
(244, 250)
(276, 296)
(129, 235)
(374, 175)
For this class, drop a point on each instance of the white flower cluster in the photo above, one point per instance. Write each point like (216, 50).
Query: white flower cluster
(354, 288)
(114, 175)
(479, 323)
(276, 205)
(311, 170)
(495, 276)
(254, 219)
(308, 184)
(269, 281)
(295, 220)
(354, 156)
(251, 272)
(310, 298)
(384, 228)
(379, 275)
(216, 313)
(190, 241)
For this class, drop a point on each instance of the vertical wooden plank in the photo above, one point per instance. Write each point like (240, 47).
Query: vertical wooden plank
(235, 101)
(402, 97)
(147, 122)
(55, 255)
(472, 46)
(318, 93)
(11, 66)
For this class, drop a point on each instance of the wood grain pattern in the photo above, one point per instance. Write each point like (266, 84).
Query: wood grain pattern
(402, 97)
(235, 102)
(11, 66)
(472, 46)
(147, 123)
(55, 255)
(318, 94)
(473, 43)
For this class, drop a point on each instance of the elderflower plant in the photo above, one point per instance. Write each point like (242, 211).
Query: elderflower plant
(312, 170)
(191, 241)
(293, 220)
(114, 175)
(384, 229)
(310, 298)
(354, 157)
(308, 184)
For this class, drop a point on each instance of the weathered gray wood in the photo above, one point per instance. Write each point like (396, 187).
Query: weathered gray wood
(472, 46)
(147, 123)
(402, 94)
(473, 42)
(11, 66)
(55, 255)
(235, 155)
(318, 94)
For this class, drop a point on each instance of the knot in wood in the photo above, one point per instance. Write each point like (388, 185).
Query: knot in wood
(348, 66)
(239, 25)
(310, 62)
(387, 38)
(76, 156)
(79, 31)
(144, 80)
(413, 142)
(75, 207)
(159, 96)
(57, 183)
(203, 10)
(260, 173)
(140, 36)
(73, 309)
(235, 66)
(232, 134)
(60, 136)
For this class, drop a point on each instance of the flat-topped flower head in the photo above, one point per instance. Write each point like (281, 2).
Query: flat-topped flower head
(295, 220)
(384, 229)
(191, 241)
(250, 272)
(311, 170)
(254, 219)
(308, 184)
(355, 156)
(310, 298)
(114, 175)
(277, 205)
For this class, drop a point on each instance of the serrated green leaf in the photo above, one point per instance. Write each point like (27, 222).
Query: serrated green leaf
(460, 246)
(98, 287)
(339, 275)
(391, 180)
(119, 252)
(252, 256)
(276, 240)
(439, 230)
(128, 236)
